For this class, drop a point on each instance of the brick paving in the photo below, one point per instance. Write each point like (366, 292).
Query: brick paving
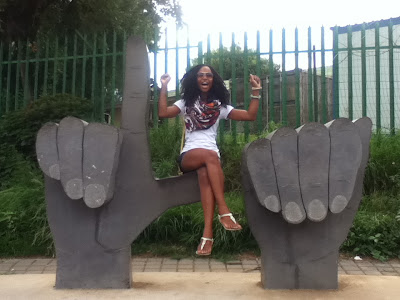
(156, 264)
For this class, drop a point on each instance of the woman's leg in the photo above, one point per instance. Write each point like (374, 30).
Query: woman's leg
(208, 203)
(197, 158)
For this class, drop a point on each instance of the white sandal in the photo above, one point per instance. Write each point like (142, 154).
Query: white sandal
(203, 243)
(233, 220)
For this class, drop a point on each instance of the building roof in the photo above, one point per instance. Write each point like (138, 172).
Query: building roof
(369, 25)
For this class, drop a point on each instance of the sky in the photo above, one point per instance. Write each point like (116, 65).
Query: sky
(226, 16)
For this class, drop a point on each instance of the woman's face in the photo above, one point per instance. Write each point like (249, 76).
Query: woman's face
(205, 79)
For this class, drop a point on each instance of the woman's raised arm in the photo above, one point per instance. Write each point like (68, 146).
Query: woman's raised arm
(251, 113)
(165, 111)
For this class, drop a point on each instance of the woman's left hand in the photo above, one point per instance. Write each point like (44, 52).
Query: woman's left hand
(255, 81)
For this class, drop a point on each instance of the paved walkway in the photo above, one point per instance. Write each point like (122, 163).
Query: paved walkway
(248, 265)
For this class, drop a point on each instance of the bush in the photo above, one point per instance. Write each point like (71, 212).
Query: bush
(383, 171)
(374, 234)
(23, 224)
(165, 145)
(19, 128)
(177, 232)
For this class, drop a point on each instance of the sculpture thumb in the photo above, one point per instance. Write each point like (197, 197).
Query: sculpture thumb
(139, 198)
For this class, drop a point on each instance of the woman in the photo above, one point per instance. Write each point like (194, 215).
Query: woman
(206, 101)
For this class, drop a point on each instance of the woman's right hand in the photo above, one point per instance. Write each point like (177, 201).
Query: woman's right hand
(165, 79)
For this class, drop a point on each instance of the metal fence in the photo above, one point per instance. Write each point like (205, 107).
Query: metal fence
(92, 66)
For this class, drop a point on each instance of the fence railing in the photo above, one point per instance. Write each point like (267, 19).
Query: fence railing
(361, 77)
(87, 66)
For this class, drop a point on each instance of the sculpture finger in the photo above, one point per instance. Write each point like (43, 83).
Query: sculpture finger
(70, 151)
(345, 159)
(285, 159)
(258, 158)
(46, 150)
(314, 148)
(101, 147)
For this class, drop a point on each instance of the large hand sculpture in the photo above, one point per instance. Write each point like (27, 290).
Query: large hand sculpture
(302, 191)
(100, 190)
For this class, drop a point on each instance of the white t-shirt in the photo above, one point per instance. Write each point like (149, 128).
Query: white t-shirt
(205, 138)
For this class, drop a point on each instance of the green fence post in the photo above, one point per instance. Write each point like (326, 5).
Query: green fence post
(378, 76)
(83, 88)
(92, 95)
(234, 96)
(8, 104)
(297, 76)
(350, 71)
(18, 74)
(103, 78)
(391, 78)
(35, 88)
(336, 72)
(200, 53)
(315, 85)
(310, 102)
(177, 94)
(187, 50)
(46, 67)
(26, 82)
(74, 65)
(221, 73)
(114, 66)
(271, 79)
(166, 51)
(258, 73)
(246, 85)
(64, 85)
(1, 78)
(55, 67)
(284, 80)
(363, 72)
(155, 86)
(324, 99)
(208, 56)
(125, 40)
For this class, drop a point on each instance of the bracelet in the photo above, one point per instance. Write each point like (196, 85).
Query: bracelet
(255, 97)
(256, 88)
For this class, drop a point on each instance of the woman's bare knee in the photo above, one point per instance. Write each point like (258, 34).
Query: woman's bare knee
(202, 175)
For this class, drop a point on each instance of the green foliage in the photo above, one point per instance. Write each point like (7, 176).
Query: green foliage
(23, 224)
(20, 127)
(375, 231)
(239, 62)
(374, 234)
(21, 19)
(165, 144)
(177, 232)
(383, 171)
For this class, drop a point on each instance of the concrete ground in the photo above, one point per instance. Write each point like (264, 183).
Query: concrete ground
(199, 278)
(199, 285)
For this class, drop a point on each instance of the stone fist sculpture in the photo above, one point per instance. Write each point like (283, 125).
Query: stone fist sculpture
(100, 191)
(302, 191)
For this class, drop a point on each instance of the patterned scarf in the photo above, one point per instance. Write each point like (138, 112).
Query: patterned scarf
(202, 115)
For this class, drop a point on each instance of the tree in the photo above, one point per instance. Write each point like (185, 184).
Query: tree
(23, 19)
(214, 56)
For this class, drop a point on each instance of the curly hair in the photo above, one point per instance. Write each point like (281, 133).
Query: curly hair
(190, 90)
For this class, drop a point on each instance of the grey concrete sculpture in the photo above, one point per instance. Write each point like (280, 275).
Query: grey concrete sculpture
(110, 170)
(302, 191)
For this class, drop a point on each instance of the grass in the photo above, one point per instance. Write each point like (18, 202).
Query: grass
(177, 232)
